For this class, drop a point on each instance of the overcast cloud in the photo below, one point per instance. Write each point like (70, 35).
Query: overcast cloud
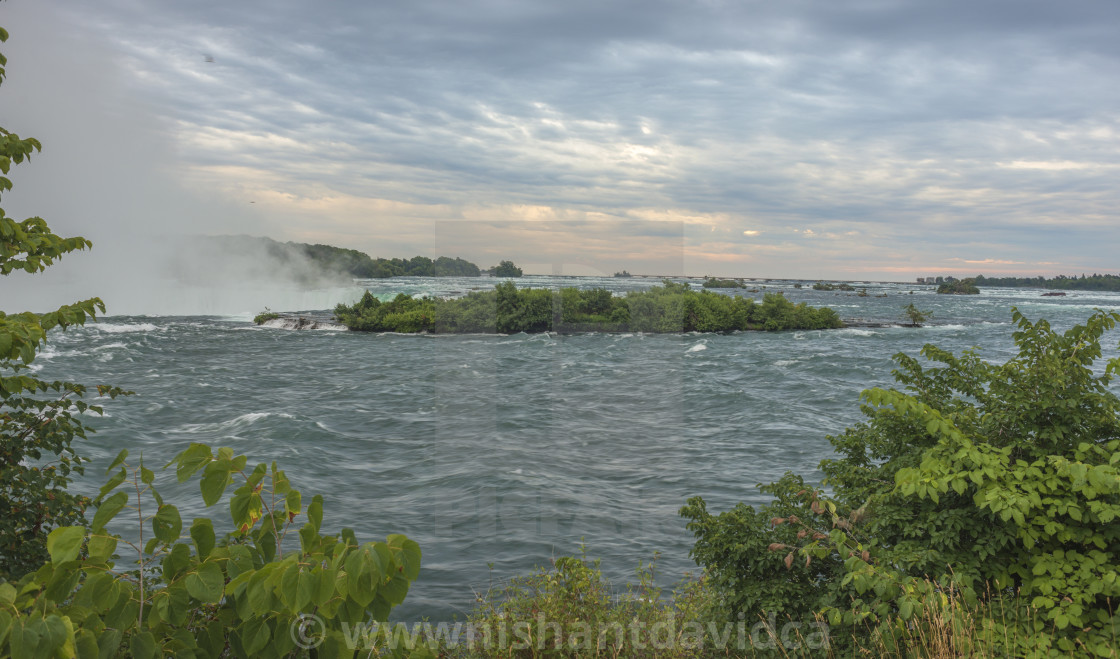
(878, 139)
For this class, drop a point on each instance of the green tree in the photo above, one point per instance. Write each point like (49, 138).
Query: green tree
(915, 315)
(507, 269)
(37, 461)
(995, 484)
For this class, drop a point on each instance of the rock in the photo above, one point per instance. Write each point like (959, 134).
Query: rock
(301, 323)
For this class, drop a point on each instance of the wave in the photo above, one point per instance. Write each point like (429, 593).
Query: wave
(243, 420)
(119, 328)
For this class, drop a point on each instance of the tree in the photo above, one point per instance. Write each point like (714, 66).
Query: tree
(36, 458)
(995, 485)
(507, 269)
(916, 315)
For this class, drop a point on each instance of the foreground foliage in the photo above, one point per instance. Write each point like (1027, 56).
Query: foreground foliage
(992, 484)
(571, 610)
(39, 420)
(507, 309)
(246, 593)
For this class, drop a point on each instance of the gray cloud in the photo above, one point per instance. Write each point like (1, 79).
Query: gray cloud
(942, 131)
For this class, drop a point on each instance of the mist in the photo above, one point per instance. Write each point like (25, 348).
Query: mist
(109, 172)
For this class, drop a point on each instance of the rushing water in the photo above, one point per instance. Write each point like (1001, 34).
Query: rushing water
(498, 453)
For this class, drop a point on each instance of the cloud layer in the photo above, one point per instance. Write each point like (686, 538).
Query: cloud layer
(882, 139)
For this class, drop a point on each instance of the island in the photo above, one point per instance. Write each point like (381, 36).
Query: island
(959, 287)
(821, 286)
(312, 264)
(712, 282)
(505, 269)
(669, 308)
(1093, 282)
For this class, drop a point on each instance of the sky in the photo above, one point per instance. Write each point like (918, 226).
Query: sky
(875, 139)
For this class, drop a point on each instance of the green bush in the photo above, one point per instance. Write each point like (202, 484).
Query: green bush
(265, 316)
(245, 593)
(977, 481)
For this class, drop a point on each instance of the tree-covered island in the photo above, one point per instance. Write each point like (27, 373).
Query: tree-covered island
(316, 262)
(1093, 282)
(959, 287)
(668, 308)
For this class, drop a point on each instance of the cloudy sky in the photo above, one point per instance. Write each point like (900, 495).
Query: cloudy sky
(877, 139)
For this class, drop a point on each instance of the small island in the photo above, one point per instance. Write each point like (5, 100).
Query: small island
(712, 282)
(821, 286)
(669, 308)
(959, 287)
(505, 269)
(623, 274)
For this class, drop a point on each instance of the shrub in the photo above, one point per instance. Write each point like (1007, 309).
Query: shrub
(571, 610)
(246, 593)
(985, 482)
(915, 315)
(265, 316)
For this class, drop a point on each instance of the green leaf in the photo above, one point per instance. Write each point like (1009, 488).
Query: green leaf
(112, 483)
(101, 548)
(109, 643)
(117, 461)
(254, 635)
(202, 532)
(190, 461)
(214, 481)
(167, 525)
(315, 512)
(143, 645)
(64, 543)
(206, 583)
(292, 503)
(108, 510)
(407, 554)
(176, 561)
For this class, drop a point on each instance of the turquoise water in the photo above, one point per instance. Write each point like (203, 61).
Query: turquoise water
(512, 450)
